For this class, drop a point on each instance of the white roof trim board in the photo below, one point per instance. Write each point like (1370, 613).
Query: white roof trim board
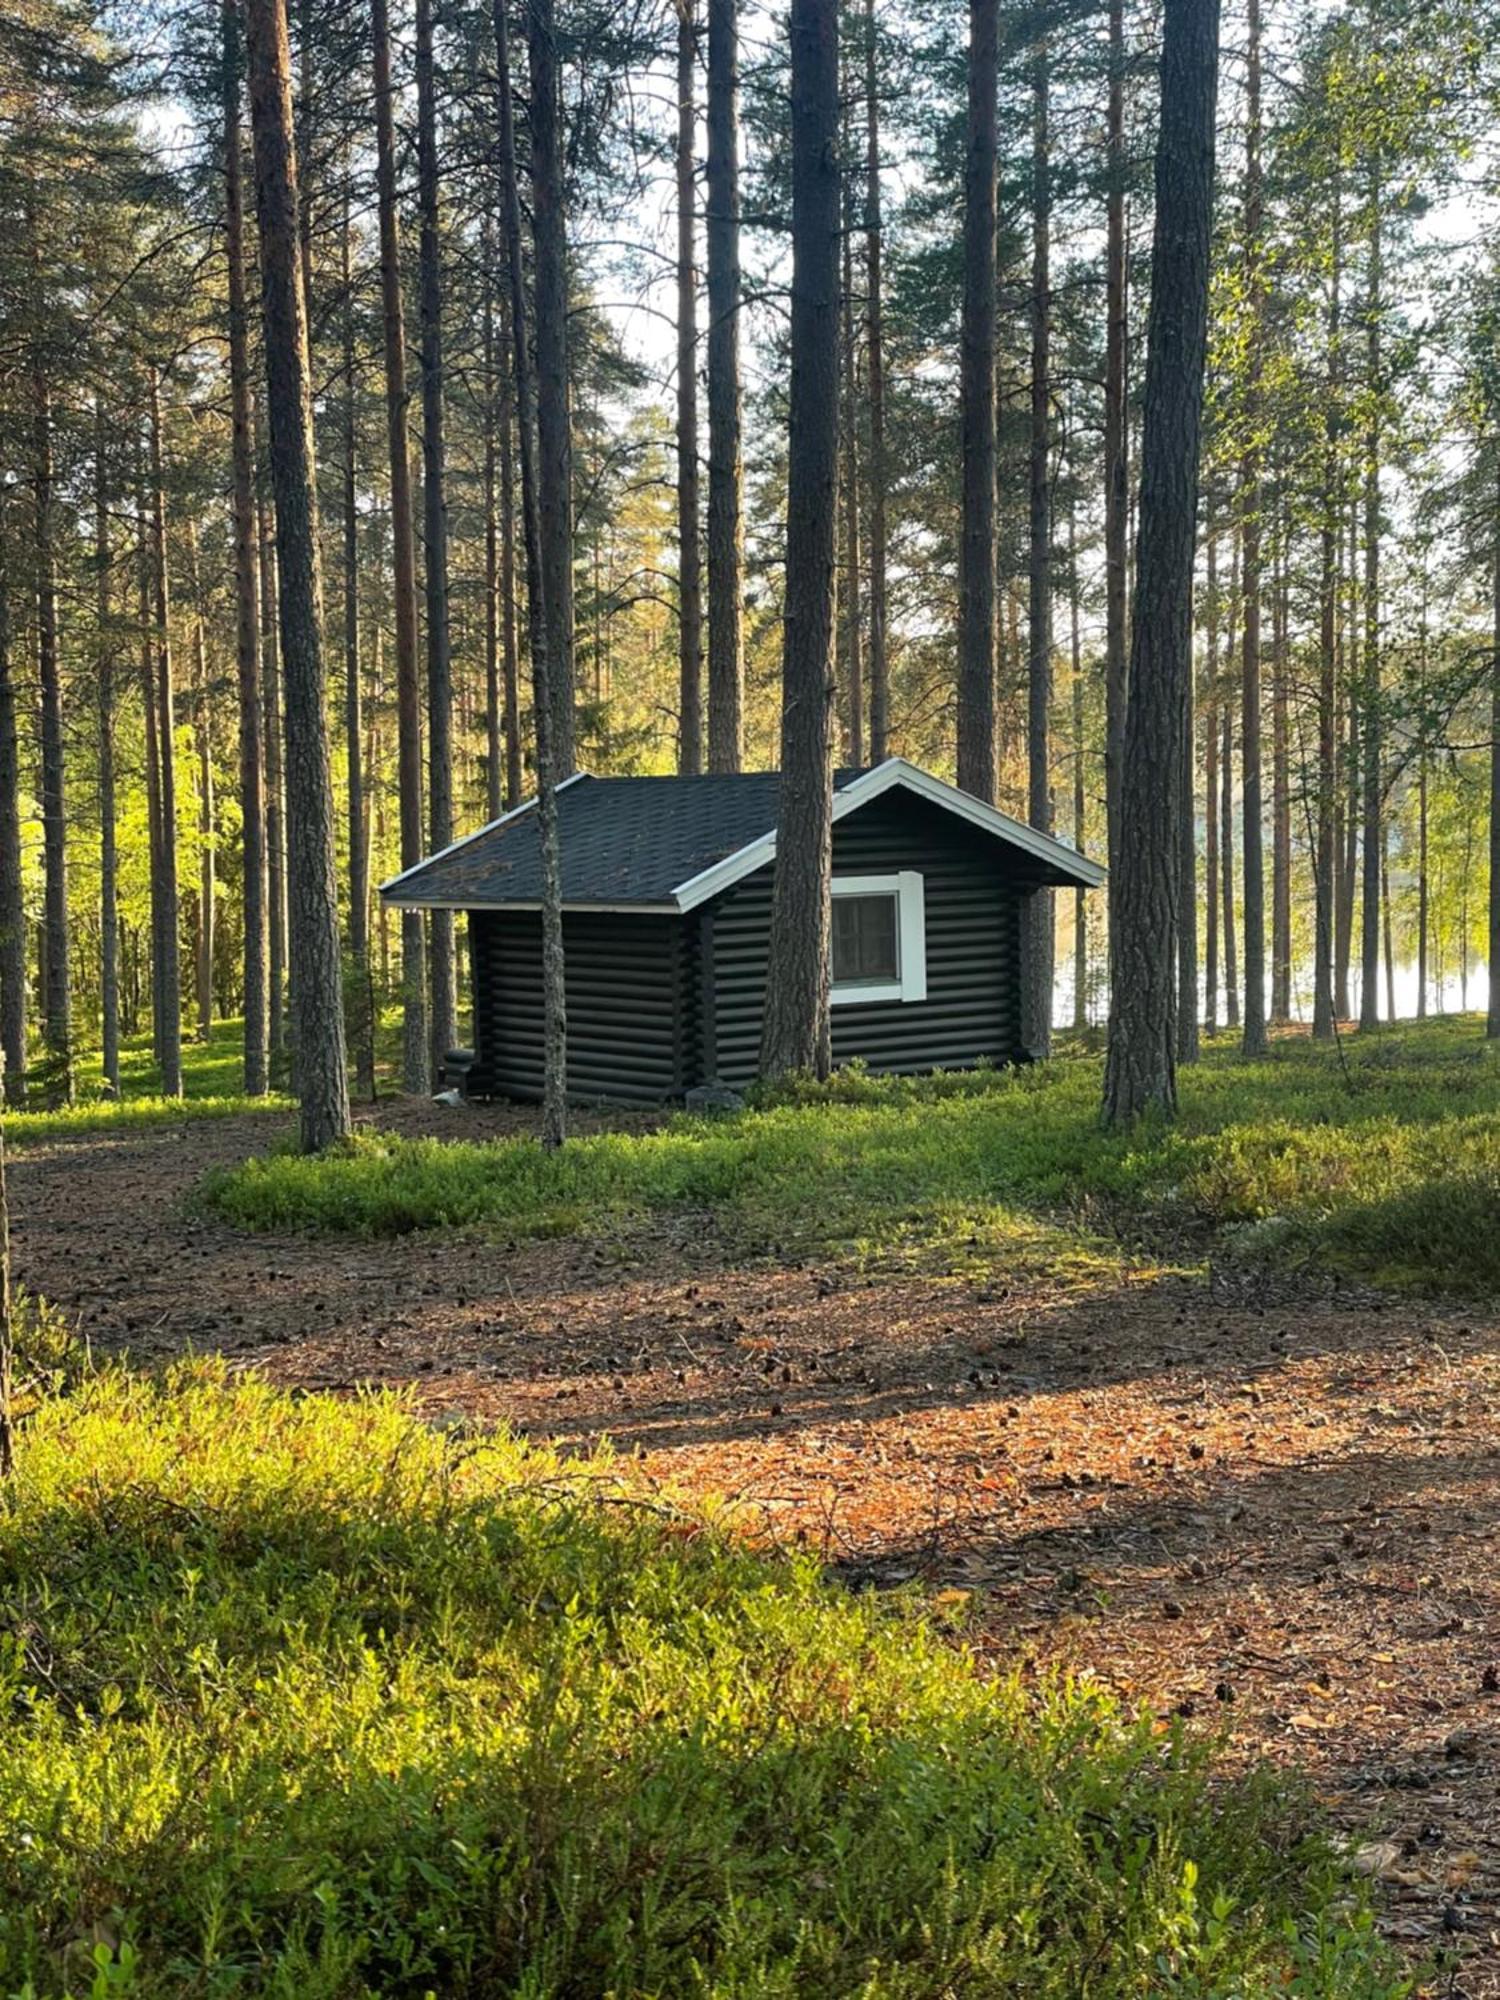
(871, 785)
(713, 881)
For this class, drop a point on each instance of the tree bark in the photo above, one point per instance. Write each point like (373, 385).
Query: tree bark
(1326, 862)
(726, 528)
(849, 601)
(166, 888)
(1187, 863)
(977, 750)
(540, 613)
(203, 966)
(795, 1031)
(441, 967)
(1116, 447)
(1252, 865)
(1226, 862)
(256, 894)
(689, 561)
(494, 725)
(274, 738)
(1281, 791)
(57, 1022)
(1141, 1069)
(879, 654)
(359, 843)
(1080, 792)
(1492, 1019)
(414, 1059)
(1211, 787)
(317, 987)
(12, 904)
(1040, 943)
(554, 432)
(1372, 834)
(104, 674)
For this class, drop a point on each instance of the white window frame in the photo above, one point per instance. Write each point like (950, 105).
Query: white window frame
(911, 940)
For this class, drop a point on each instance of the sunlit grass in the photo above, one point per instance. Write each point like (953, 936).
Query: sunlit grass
(305, 1700)
(1382, 1158)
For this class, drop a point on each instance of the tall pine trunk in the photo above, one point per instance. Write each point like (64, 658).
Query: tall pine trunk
(1116, 446)
(1040, 937)
(1141, 1070)
(12, 904)
(1372, 836)
(554, 433)
(1326, 859)
(203, 966)
(274, 736)
(850, 599)
(414, 1048)
(109, 875)
(1281, 790)
(726, 527)
(354, 767)
(1211, 785)
(879, 648)
(442, 970)
(57, 1021)
(795, 1030)
(689, 559)
(540, 614)
(977, 748)
(1492, 1019)
(1080, 792)
(317, 986)
(166, 895)
(256, 889)
(1252, 864)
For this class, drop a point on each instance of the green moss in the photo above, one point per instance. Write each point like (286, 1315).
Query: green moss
(305, 1700)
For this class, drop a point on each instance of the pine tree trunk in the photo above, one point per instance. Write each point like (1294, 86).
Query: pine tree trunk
(1187, 863)
(1252, 866)
(795, 1030)
(554, 435)
(359, 842)
(1211, 788)
(1281, 794)
(1372, 835)
(1424, 916)
(170, 1028)
(147, 675)
(1040, 936)
(1492, 1019)
(414, 1061)
(1080, 794)
(515, 779)
(849, 601)
(1326, 862)
(317, 987)
(1116, 447)
(256, 891)
(203, 966)
(274, 739)
(726, 528)
(880, 671)
(109, 876)
(441, 966)
(689, 560)
(57, 1023)
(1141, 1070)
(1226, 863)
(12, 904)
(540, 612)
(977, 750)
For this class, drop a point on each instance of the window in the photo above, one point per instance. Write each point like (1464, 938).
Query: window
(866, 944)
(879, 939)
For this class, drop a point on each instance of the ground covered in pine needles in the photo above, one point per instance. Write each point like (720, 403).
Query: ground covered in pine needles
(1211, 1465)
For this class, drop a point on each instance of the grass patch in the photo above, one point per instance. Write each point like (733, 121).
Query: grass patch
(305, 1700)
(212, 1087)
(1384, 1163)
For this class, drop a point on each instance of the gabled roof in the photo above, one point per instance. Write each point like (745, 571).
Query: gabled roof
(669, 844)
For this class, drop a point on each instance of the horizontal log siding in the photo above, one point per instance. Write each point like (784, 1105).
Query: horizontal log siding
(632, 1012)
(972, 1012)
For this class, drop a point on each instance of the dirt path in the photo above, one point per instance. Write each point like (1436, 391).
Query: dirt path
(1282, 1515)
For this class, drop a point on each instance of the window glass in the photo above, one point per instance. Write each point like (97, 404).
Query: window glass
(865, 950)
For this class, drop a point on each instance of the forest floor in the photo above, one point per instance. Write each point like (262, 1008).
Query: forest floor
(1272, 1507)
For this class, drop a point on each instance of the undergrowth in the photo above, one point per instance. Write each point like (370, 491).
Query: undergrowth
(1382, 1160)
(305, 1700)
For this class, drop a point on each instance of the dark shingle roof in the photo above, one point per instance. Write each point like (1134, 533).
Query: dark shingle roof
(624, 840)
(640, 842)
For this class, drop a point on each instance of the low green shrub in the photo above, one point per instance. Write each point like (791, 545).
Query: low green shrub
(305, 1700)
(1336, 1150)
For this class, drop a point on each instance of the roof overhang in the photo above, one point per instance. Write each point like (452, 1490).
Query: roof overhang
(895, 773)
